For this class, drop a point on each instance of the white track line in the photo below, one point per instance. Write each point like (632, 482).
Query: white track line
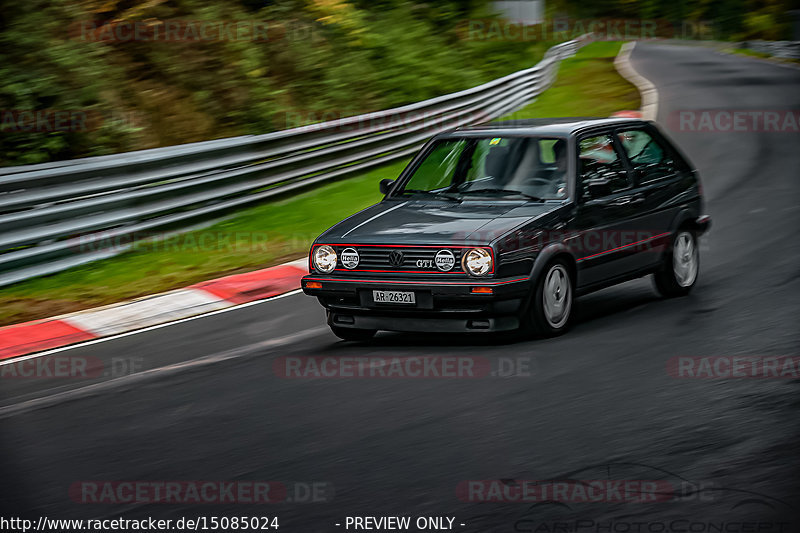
(647, 90)
(14, 360)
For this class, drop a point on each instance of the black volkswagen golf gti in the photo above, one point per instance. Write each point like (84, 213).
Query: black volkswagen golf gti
(500, 227)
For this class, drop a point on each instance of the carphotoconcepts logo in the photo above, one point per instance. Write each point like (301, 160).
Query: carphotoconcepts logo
(570, 496)
(735, 120)
(567, 491)
(70, 367)
(737, 366)
(401, 367)
(680, 525)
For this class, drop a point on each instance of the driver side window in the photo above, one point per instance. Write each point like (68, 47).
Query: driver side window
(599, 164)
(647, 157)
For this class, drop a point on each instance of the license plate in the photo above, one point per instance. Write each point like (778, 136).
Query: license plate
(393, 297)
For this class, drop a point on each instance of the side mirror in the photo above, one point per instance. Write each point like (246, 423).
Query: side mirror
(385, 186)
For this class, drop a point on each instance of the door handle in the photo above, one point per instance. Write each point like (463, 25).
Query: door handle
(622, 200)
(632, 199)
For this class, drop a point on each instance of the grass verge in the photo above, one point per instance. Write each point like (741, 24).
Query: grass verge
(587, 85)
(275, 232)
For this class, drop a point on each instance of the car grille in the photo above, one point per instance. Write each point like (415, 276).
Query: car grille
(378, 258)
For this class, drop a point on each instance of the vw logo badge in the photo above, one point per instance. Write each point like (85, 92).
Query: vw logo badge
(445, 260)
(350, 258)
(396, 258)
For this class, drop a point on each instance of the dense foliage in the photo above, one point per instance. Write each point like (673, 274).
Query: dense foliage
(731, 19)
(320, 58)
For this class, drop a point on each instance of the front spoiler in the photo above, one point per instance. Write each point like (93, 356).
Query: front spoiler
(501, 288)
(442, 305)
(343, 319)
(702, 224)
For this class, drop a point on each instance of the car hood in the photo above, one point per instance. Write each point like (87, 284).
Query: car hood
(420, 222)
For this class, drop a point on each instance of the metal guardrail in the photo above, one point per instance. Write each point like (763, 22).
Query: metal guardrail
(55, 216)
(784, 49)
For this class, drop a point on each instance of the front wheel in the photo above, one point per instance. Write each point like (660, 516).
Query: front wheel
(678, 272)
(353, 334)
(550, 308)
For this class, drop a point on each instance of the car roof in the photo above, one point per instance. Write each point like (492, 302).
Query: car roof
(561, 127)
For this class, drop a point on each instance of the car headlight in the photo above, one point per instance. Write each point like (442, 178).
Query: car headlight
(325, 259)
(477, 262)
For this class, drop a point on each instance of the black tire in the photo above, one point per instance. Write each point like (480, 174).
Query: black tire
(536, 318)
(353, 334)
(677, 275)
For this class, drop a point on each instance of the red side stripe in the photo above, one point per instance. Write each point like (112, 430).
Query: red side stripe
(624, 246)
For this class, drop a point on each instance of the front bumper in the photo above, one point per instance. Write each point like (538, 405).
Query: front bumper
(441, 306)
(702, 224)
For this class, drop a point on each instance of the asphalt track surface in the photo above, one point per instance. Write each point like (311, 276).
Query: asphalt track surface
(598, 403)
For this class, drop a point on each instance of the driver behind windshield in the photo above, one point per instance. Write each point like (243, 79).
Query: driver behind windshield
(533, 176)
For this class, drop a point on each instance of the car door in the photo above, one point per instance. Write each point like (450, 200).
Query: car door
(661, 181)
(606, 222)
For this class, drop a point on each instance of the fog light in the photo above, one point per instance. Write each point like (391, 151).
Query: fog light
(481, 290)
(344, 319)
(313, 285)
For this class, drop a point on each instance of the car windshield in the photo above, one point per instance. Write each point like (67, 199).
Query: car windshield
(532, 168)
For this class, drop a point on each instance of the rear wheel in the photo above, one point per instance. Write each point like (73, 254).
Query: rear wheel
(353, 334)
(550, 308)
(678, 272)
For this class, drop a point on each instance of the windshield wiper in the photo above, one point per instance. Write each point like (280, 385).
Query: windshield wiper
(433, 193)
(504, 192)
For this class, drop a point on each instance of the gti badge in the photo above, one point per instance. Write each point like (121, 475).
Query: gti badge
(350, 258)
(445, 260)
